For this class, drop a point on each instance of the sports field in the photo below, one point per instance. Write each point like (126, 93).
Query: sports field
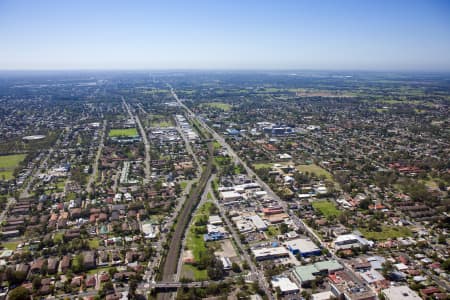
(123, 132)
(8, 163)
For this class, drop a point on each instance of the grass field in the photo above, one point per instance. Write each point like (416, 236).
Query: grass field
(10, 245)
(161, 124)
(326, 208)
(98, 270)
(218, 105)
(194, 273)
(183, 185)
(195, 241)
(94, 244)
(8, 163)
(262, 165)
(124, 132)
(313, 168)
(386, 232)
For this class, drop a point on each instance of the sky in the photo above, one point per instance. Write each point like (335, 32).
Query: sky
(225, 34)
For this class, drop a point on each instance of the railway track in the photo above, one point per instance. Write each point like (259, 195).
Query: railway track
(171, 259)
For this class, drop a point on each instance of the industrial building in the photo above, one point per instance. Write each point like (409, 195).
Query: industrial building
(304, 247)
(270, 253)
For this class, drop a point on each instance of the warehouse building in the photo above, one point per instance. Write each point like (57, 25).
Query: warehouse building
(270, 253)
(304, 247)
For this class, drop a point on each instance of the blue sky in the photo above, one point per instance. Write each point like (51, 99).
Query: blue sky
(213, 34)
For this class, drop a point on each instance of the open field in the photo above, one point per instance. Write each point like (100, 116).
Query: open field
(327, 208)
(124, 132)
(386, 232)
(313, 168)
(218, 105)
(10, 245)
(8, 163)
(192, 272)
(258, 166)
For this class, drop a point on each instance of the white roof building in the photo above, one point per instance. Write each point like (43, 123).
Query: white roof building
(258, 222)
(270, 253)
(227, 196)
(215, 220)
(400, 292)
(348, 241)
(285, 285)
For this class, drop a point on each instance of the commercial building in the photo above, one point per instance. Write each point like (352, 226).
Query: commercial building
(306, 274)
(226, 263)
(348, 241)
(270, 253)
(304, 247)
(229, 196)
(345, 286)
(258, 222)
(285, 285)
(400, 292)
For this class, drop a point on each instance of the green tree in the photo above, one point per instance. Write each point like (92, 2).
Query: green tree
(235, 267)
(19, 293)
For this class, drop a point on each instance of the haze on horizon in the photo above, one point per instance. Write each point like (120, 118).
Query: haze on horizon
(105, 34)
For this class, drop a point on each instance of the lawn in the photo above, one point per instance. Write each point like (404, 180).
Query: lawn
(161, 124)
(183, 185)
(195, 241)
(161, 121)
(10, 245)
(216, 145)
(194, 273)
(326, 208)
(123, 132)
(8, 163)
(60, 185)
(313, 168)
(273, 230)
(262, 165)
(386, 232)
(95, 271)
(218, 105)
(94, 244)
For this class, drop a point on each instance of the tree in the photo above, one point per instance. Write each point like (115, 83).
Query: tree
(284, 228)
(235, 267)
(37, 283)
(245, 265)
(19, 293)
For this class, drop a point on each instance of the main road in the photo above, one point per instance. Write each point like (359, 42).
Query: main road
(97, 159)
(144, 139)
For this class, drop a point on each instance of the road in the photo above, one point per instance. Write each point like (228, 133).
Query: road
(188, 146)
(260, 276)
(144, 139)
(90, 185)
